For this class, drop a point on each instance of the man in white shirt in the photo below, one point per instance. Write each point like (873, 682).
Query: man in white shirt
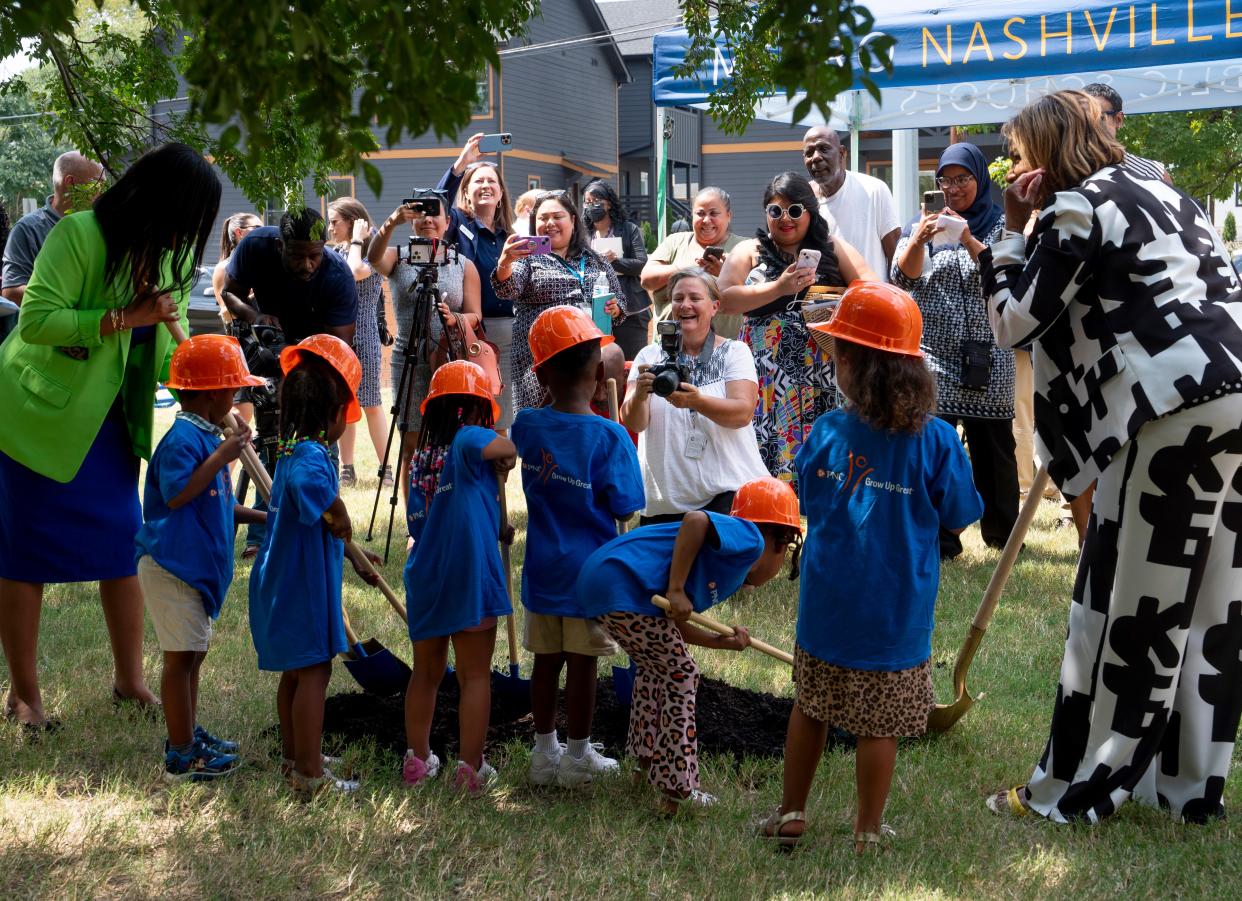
(861, 205)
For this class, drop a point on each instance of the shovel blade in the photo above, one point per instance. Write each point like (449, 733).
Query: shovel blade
(944, 716)
(623, 683)
(380, 672)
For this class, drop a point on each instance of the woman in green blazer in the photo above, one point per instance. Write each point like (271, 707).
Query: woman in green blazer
(77, 386)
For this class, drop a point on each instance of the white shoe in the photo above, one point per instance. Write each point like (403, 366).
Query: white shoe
(573, 771)
(543, 766)
(306, 788)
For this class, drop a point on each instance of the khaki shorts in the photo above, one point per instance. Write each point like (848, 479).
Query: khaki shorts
(176, 609)
(543, 634)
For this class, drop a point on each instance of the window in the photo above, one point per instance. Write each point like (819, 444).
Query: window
(482, 108)
(644, 182)
(339, 186)
(533, 183)
(883, 170)
(273, 209)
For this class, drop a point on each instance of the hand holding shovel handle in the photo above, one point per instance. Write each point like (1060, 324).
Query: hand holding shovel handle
(721, 629)
(614, 413)
(510, 624)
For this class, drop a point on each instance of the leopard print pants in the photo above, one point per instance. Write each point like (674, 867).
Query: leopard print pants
(662, 726)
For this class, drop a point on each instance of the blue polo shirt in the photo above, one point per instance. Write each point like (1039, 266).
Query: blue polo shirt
(295, 586)
(453, 577)
(580, 474)
(623, 574)
(875, 502)
(329, 298)
(477, 243)
(195, 541)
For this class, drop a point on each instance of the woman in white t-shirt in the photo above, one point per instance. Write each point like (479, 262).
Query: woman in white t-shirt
(697, 445)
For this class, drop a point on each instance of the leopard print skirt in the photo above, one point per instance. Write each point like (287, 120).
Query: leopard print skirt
(867, 703)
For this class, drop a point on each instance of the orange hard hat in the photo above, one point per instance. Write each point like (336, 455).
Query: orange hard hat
(339, 355)
(207, 362)
(461, 377)
(767, 500)
(879, 315)
(560, 328)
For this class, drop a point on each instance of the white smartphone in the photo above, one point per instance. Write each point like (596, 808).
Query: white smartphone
(808, 259)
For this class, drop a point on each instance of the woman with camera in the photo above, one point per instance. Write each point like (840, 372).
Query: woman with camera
(767, 278)
(606, 218)
(691, 399)
(459, 282)
(533, 279)
(77, 389)
(974, 377)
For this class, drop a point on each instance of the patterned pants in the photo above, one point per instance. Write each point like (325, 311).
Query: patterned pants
(1151, 682)
(662, 725)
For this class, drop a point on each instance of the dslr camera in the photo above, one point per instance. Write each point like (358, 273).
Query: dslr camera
(427, 201)
(669, 374)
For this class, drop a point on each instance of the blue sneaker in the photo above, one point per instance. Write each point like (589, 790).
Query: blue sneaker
(219, 745)
(200, 764)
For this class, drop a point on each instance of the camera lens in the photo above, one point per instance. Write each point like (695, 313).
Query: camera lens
(666, 382)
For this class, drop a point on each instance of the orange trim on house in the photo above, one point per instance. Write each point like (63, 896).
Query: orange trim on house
(754, 147)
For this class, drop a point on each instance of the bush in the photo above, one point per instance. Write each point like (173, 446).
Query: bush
(1230, 229)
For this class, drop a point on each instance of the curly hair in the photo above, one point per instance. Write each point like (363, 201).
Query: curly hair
(1063, 134)
(894, 392)
(310, 397)
(601, 188)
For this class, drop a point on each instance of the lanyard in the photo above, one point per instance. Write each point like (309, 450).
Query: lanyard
(579, 273)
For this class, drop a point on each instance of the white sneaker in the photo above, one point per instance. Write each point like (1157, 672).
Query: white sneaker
(543, 766)
(306, 788)
(573, 771)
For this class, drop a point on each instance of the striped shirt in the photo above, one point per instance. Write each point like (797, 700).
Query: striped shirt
(1145, 168)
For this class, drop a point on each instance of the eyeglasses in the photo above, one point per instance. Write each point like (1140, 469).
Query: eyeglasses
(957, 181)
(795, 211)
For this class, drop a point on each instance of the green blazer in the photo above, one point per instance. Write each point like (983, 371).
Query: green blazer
(58, 377)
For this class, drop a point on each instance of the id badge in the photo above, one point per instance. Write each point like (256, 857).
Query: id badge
(696, 443)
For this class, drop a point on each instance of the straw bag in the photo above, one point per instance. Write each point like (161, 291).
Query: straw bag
(818, 305)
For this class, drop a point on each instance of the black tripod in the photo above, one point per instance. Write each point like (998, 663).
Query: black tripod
(426, 290)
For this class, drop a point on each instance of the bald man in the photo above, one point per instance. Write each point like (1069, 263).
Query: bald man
(31, 230)
(861, 205)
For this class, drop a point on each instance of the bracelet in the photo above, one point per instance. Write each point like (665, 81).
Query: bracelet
(356, 243)
(116, 316)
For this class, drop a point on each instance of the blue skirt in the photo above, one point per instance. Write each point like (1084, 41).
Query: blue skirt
(82, 531)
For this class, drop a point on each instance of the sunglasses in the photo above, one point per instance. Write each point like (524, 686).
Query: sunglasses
(795, 211)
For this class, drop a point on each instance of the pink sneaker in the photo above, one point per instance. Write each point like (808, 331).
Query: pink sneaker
(414, 769)
(471, 781)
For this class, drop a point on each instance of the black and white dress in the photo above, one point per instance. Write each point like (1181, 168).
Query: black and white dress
(1136, 317)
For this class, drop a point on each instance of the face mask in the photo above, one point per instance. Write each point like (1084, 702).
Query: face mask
(594, 212)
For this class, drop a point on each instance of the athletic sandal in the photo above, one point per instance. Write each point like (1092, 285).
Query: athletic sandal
(385, 476)
(875, 840)
(770, 827)
(250, 551)
(696, 800)
(287, 766)
(307, 788)
(348, 477)
(1009, 803)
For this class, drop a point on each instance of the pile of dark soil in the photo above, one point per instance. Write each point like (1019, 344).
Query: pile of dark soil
(731, 720)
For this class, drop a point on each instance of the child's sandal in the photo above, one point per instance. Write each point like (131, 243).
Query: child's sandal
(770, 828)
(864, 841)
(670, 806)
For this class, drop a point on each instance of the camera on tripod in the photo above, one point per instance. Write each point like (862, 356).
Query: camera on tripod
(669, 374)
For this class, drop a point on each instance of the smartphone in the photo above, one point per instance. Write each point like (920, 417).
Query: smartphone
(495, 143)
(539, 244)
(716, 253)
(933, 201)
(808, 259)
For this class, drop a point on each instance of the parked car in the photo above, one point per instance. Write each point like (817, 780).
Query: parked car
(204, 312)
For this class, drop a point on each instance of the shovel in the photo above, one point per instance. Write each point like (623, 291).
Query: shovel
(622, 676)
(721, 629)
(372, 665)
(510, 683)
(943, 716)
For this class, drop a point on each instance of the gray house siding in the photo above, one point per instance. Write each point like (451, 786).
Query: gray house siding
(744, 164)
(636, 116)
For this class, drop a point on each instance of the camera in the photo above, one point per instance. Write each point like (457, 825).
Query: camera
(424, 251)
(670, 374)
(427, 201)
(261, 346)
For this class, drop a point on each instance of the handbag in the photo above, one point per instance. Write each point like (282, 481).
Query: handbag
(466, 345)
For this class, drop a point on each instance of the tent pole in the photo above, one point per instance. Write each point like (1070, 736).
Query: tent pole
(661, 144)
(906, 172)
(855, 156)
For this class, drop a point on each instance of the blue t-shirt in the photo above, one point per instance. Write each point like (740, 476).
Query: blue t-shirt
(453, 577)
(329, 298)
(195, 541)
(624, 574)
(581, 474)
(874, 503)
(295, 586)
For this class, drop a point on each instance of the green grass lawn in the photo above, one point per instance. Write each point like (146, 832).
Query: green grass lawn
(85, 813)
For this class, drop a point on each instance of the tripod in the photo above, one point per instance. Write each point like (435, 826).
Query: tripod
(426, 292)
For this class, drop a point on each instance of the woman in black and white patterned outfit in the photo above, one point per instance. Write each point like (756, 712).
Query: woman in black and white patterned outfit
(534, 282)
(944, 281)
(1136, 317)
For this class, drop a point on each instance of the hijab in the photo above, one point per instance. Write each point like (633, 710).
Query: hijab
(983, 214)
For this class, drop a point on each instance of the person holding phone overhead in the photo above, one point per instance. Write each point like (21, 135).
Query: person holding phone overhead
(77, 390)
(974, 377)
(765, 279)
(480, 219)
(704, 247)
(533, 281)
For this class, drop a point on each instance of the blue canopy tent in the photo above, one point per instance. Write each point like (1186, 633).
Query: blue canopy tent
(977, 61)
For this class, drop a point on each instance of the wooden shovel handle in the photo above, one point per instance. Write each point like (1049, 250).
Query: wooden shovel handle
(721, 629)
(510, 623)
(1004, 566)
(614, 413)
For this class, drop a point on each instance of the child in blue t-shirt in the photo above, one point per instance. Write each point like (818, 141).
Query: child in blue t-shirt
(295, 587)
(454, 584)
(696, 564)
(878, 480)
(581, 474)
(184, 549)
